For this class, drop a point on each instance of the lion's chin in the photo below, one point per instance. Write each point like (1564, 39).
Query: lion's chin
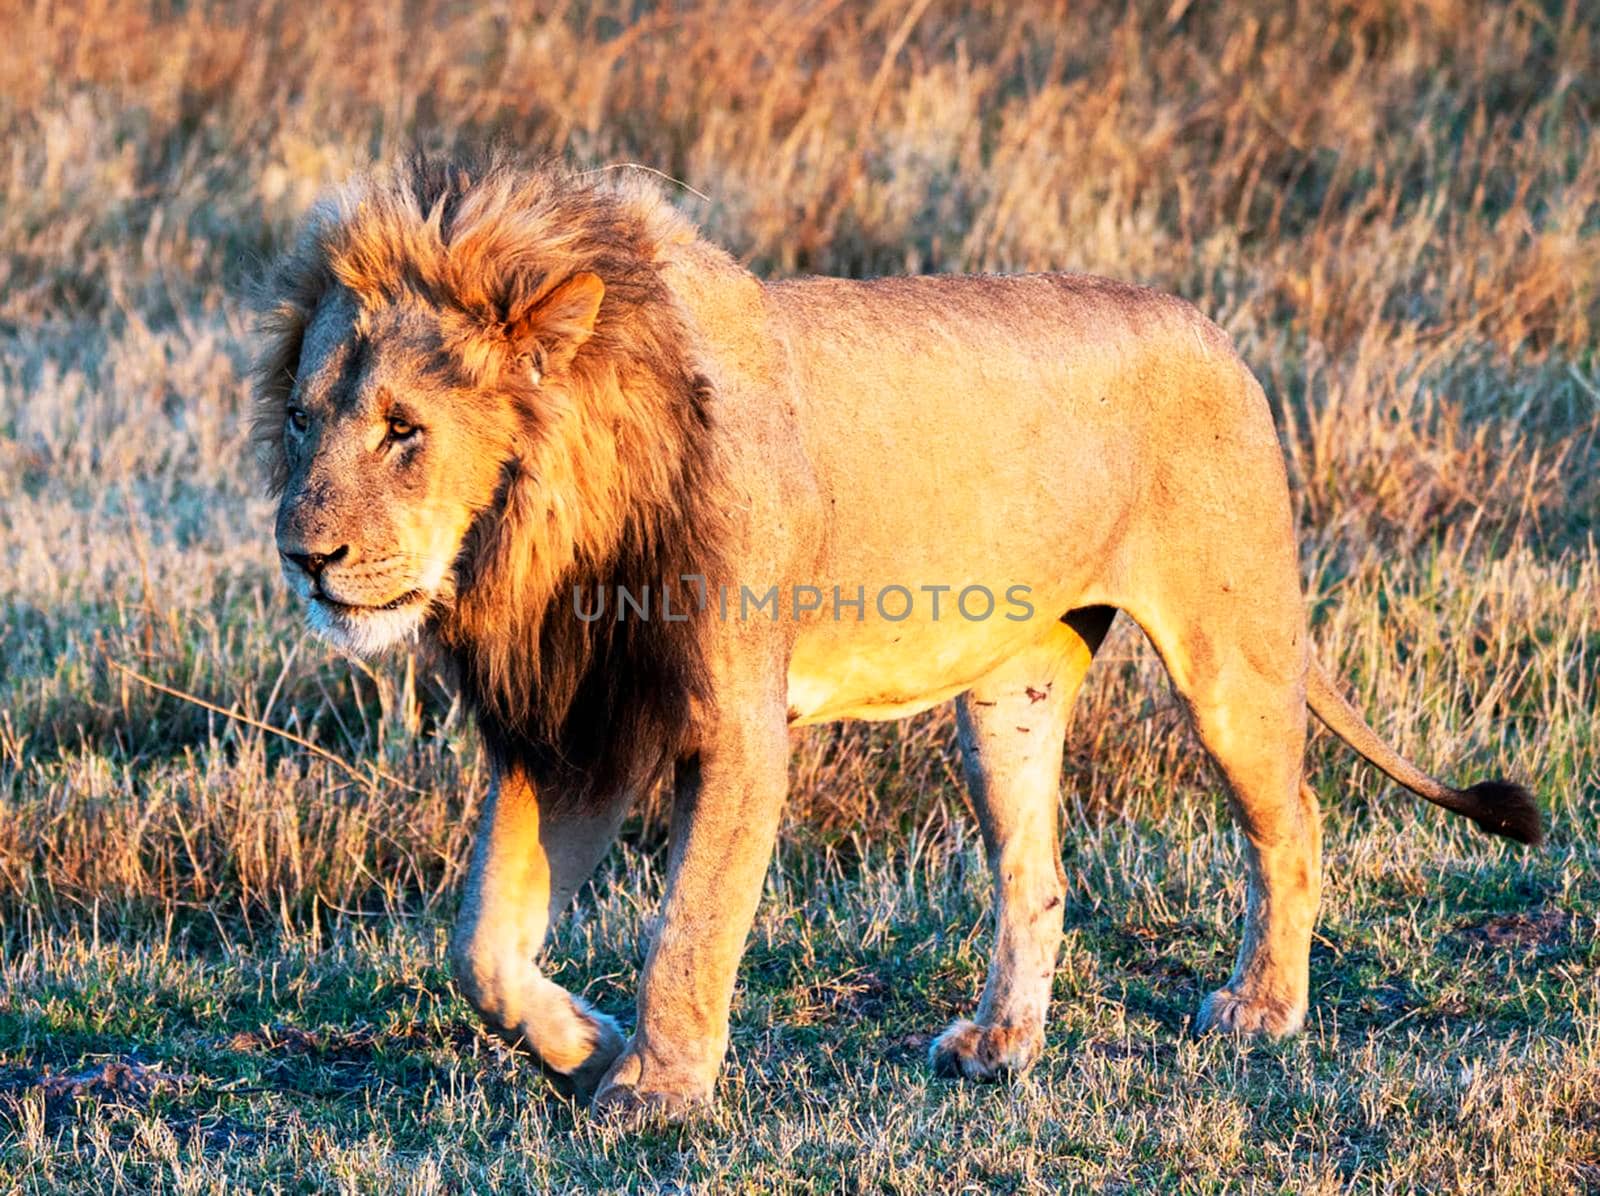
(366, 631)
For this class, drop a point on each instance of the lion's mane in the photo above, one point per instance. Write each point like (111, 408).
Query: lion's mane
(614, 481)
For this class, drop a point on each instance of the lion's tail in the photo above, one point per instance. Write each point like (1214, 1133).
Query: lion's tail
(1498, 807)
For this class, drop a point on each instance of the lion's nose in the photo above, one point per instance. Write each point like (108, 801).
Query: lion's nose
(315, 562)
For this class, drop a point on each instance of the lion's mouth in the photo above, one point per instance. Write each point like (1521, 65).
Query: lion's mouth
(409, 598)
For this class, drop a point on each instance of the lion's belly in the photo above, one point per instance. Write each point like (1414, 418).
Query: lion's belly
(831, 682)
(885, 670)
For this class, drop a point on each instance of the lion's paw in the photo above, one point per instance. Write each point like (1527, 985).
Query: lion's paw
(627, 1094)
(985, 1052)
(1229, 1012)
(584, 1080)
(625, 1103)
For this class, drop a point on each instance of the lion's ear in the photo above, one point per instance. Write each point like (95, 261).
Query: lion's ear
(556, 324)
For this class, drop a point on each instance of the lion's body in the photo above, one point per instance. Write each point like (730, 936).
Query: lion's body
(891, 494)
(1095, 443)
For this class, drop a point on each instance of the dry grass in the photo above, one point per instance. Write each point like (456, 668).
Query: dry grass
(1393, 205)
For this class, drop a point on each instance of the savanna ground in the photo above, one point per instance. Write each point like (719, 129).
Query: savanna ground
(223, 953)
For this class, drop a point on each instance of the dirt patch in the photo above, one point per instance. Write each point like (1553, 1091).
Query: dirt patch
(294, 1040)
(859, 994)
(1541, 929)
(118, 1083)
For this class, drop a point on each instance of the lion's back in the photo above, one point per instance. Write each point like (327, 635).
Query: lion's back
(954, 373)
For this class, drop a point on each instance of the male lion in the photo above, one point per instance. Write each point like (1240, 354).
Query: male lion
(495, 404)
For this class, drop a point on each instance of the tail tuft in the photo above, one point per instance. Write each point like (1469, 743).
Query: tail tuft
(1505, 809)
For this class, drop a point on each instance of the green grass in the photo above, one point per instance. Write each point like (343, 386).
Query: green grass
(1453, 1039)
(222, 954)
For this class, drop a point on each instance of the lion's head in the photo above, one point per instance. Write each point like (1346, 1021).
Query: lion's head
(476, 392)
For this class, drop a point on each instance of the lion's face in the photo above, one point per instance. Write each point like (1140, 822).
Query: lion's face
(389, 454)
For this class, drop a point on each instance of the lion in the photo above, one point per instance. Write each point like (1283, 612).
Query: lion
(653, 512)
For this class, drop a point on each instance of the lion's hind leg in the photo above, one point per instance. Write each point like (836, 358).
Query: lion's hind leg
(1241, 673)
(1012, 728)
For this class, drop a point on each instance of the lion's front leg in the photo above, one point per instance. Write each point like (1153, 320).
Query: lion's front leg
(531, 855)
(724, 821)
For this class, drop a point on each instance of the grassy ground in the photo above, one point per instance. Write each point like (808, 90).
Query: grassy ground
(223, 953)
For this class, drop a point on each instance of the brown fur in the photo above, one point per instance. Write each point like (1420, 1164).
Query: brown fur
(600, 703)
(515, 382)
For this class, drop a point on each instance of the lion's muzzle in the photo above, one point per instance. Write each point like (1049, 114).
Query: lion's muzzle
(359, 604)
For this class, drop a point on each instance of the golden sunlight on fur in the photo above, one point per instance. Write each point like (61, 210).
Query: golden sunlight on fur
(486, 393)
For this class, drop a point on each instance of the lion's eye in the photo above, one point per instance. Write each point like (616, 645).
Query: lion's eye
(298, 419)
(400, 429)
